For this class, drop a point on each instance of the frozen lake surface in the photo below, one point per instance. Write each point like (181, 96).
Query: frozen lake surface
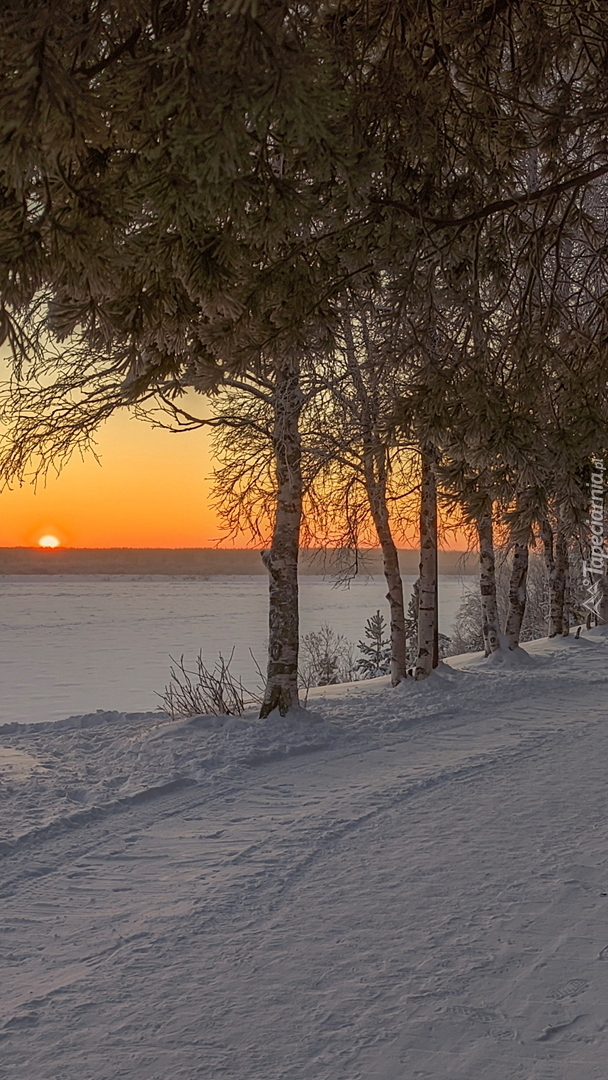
(70, 645)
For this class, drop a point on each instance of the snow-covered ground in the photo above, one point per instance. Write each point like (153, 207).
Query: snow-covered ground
(399, 884)
(71, 644)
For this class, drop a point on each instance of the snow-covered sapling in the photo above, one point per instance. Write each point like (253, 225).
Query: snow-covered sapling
(326, 658)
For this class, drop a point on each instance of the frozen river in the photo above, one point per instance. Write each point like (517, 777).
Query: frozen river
(72, 645)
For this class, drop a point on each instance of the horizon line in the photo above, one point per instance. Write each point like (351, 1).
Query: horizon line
(50, 551)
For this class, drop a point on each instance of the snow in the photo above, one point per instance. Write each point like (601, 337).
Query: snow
(70, 643)
(395, 884)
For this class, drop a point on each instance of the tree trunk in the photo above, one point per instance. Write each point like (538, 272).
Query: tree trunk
(602, 614)
(558, 619)
(487, 584)
(556, 570)
(517, 594)
(375, 474)
(281, 560)
(427, 657)
(392, 574)
(546, 535)
(561, 558)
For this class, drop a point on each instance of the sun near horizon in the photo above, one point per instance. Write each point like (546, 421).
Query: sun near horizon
(146, 488)
(49, 541)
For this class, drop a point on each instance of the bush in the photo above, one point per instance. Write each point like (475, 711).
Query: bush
(203, 692)
(326, 658)
(467, 632)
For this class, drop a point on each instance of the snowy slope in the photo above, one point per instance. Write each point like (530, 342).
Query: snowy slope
(406, 883)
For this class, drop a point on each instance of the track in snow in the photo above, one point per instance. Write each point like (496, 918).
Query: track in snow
(432, 905)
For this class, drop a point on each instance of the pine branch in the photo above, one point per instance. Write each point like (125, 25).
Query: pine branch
(125, 46)
(551, 190)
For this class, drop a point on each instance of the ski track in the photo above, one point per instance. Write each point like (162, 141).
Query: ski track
(413, 885)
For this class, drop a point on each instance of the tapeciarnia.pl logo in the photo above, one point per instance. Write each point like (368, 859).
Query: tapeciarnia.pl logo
(596, 567)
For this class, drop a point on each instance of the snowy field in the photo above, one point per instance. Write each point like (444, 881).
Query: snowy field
(399, 884)
(75, 644)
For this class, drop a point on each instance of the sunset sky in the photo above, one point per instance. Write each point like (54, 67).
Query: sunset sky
(147, 488)
(150, 489)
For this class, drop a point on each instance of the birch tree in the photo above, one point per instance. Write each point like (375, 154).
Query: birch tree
(281, 559)
(263, 478)
(187, 185)
(428, 628)
(365, 472)
(368, 396)
(555, 549)
(487, 584)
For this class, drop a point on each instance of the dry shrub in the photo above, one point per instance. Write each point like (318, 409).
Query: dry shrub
(205, 691)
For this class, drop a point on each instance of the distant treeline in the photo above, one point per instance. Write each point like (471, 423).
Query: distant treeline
(205, 562)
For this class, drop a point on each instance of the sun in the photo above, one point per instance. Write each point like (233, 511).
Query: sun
(49, 542)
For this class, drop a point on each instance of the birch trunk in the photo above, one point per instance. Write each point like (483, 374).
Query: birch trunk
(375, 476)
(602, 618)
(427, 657)
(556, 570)
(487, 585)
(546, 535)
(392, 574)
(561, 558)
(517, 594)
(281, 560)
(558, 619)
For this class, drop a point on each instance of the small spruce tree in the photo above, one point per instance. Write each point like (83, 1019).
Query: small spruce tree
(411, 624)
(376, 651)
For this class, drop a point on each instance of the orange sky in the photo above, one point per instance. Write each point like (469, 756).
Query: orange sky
(151, 489)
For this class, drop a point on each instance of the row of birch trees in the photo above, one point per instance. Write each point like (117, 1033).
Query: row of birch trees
(370, 235)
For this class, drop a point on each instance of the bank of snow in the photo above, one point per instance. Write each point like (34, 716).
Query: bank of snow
(396, 883)
(86, 766)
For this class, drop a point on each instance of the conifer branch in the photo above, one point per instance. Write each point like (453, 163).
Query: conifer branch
(125, 46)
(551, 190)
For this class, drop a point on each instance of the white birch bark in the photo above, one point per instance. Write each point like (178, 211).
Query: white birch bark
(558, 587)
(561, 557)
(487, 584)
(602, 615)
(392, 573)
(427, 658)
(281, 560)
(556, 563)
(517, 594)
(375, 479)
